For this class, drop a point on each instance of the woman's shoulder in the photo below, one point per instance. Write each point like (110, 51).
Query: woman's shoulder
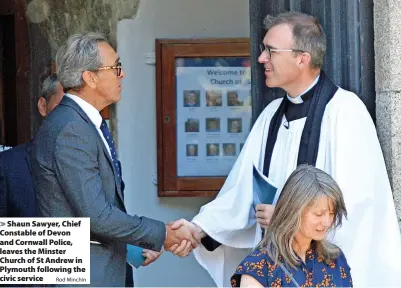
(341, 259)
(258, 265)
(340, 266)
(338, 262)
(259, 255)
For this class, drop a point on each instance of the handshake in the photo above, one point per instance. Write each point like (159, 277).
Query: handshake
(182, 237)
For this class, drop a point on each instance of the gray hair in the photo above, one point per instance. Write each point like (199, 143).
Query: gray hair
(307, 33)
(49, 86)
(80, 53)
(302, 188)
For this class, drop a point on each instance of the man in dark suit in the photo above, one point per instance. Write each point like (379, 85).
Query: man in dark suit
(17, 196)
(75, 165)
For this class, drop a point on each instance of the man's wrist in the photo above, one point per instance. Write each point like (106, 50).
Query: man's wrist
(165, 238)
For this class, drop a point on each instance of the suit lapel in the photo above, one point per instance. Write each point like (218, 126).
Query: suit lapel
(71, 103)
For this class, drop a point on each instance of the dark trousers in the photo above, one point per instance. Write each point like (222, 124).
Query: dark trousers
(129, 276)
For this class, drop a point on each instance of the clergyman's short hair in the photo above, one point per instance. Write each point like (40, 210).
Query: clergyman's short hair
(307, 33)
(49, 86)
(80, 53)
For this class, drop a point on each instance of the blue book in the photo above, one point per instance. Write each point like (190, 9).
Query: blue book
(134, 256)
(264, 190)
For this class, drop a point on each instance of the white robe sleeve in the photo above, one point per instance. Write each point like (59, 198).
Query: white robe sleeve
(370, 238)
(230, 219)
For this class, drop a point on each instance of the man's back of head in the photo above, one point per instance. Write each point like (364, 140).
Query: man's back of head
(50, 95)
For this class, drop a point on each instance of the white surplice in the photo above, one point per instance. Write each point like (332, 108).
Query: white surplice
(349, 150)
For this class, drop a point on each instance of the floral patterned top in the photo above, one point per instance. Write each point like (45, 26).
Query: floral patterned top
(314, 272)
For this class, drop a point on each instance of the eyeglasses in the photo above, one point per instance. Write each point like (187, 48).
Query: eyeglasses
(268, 50)
(118, 68)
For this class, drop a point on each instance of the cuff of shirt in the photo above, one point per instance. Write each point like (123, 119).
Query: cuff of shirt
(162, 250)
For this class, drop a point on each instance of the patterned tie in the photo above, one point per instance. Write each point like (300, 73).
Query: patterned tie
(109, 138)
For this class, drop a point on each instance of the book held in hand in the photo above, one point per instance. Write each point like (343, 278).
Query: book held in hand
(264, 190)
(134, 256)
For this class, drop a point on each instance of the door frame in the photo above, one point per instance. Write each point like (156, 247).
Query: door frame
(22, 52)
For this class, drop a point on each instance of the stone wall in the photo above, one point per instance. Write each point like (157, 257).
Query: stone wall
(58, 19)
(51, 22)
(387, 23)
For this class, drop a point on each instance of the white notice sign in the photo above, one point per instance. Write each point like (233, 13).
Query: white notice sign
(45, 251)
(213, 114)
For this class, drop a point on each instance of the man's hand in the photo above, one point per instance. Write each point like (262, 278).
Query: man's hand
(264, 213)
(150, 256)
(181, 238)
(196, 231)
(183, 249)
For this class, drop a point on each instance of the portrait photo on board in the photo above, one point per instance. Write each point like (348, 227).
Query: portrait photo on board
(192, 150)
(191, 98)
(212, 149)
(213, 125)
(214, 98)
(233, 99)
(192, 125)
(234, 125)
(229, 149)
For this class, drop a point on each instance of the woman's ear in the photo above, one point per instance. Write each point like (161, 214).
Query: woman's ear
(42, 106)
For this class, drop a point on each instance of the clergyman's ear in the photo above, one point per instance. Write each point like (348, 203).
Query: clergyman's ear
(89, 79)
(305, 60)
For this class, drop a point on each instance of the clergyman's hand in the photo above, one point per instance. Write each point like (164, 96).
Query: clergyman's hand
(264, 213)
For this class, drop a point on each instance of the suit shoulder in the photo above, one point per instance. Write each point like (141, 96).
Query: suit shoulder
(14, 160)
(77, 132)
(77, 126)
(62, 118)
(62, 115)
(15, 152)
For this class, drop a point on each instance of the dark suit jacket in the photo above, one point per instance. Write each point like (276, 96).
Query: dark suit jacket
(74, 177)
(17, 195)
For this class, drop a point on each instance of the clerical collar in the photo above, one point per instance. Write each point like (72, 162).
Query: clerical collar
(299, 109)
(303, 96)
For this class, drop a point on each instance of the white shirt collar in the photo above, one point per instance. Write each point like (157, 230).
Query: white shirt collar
(298, 99)
(92, 112)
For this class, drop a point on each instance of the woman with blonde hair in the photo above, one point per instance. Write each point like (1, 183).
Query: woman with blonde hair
(294, 251)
